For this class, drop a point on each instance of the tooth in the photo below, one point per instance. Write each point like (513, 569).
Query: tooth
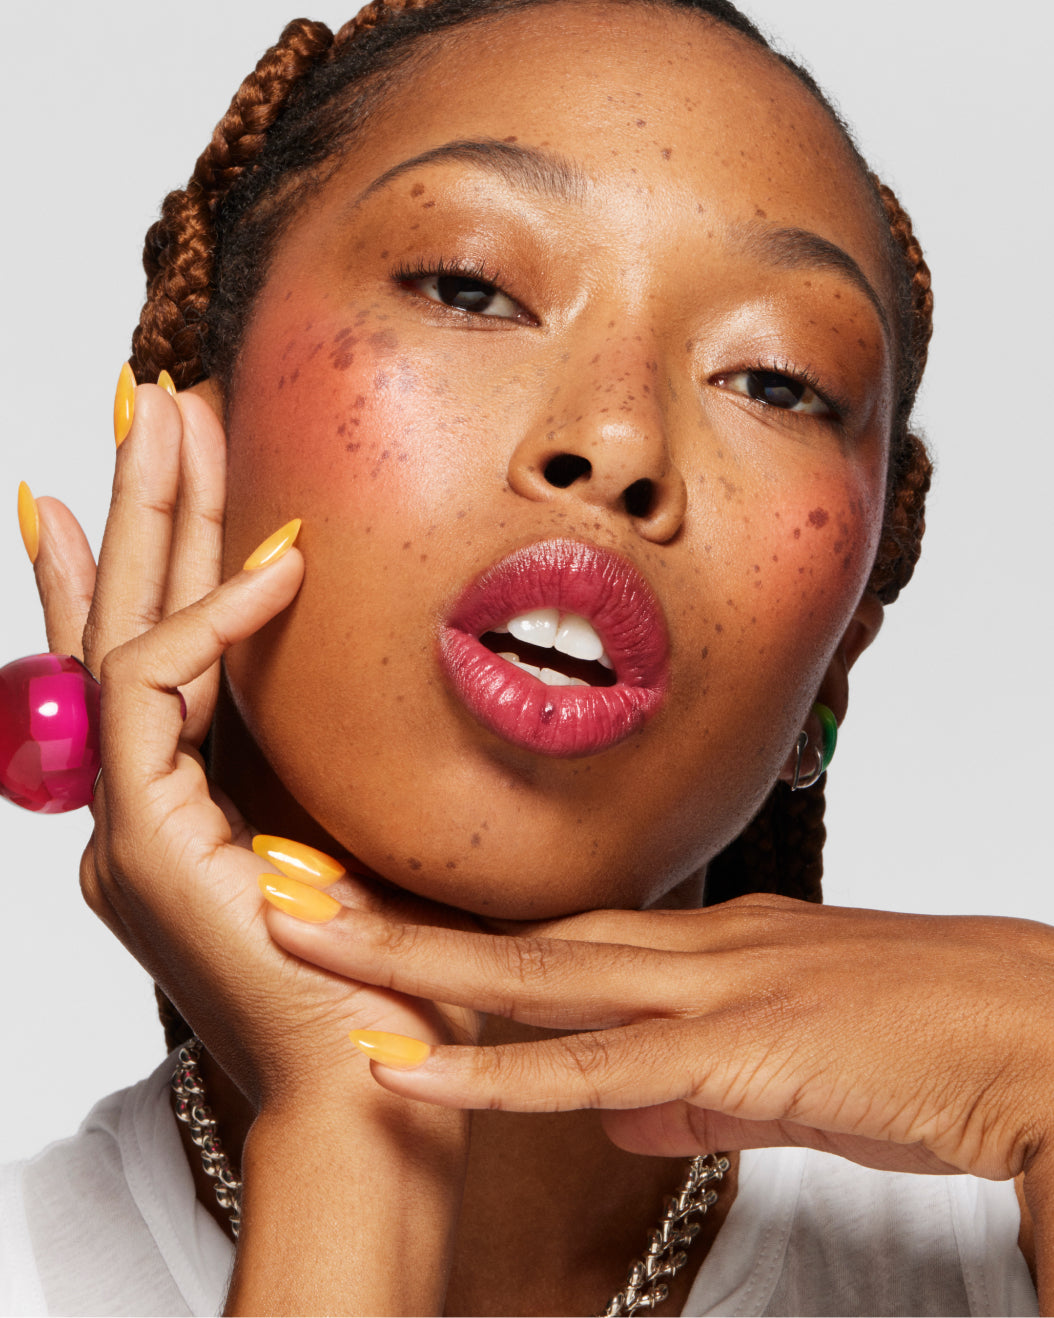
(604, 661)
(499, 630)
(533, 669)
(507, 654)
(577, 681)
(577, 638)
(552, 678)
(536, 628)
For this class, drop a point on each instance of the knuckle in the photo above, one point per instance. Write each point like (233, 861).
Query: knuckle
(527, 961)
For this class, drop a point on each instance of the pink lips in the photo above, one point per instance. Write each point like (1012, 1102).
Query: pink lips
(560, 720)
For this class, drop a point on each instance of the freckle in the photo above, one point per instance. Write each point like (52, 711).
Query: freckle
(407, 544)
(343, 334)
(757, 567)
(640, 122)
(288, 296)
(384, 255)
(417, 189)
(424, 558)
(775, 558)
(353, 448)
(360, 401)
(384, 661)
(461, 514)
(512, 138)
(797, 533)
(718, 627)
(296, 375)
(281, 383)
(818, 518)
(314, 351)
(425, 205)
(413, 863)
(474, 839)
(760, 213)
(704, 654)
(862, 343)
(342, 429)
(415, 226)
(667, 152)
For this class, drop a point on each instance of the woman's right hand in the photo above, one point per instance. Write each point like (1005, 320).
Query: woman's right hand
(169, 867)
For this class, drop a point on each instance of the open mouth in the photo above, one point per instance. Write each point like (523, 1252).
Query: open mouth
(560, 648)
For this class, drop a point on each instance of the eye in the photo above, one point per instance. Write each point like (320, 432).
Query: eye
(467, 292)
(787, 392)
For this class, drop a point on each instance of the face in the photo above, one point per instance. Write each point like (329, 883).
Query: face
(585, 336)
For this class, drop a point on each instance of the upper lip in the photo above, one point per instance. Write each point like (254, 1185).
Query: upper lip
(574, 577)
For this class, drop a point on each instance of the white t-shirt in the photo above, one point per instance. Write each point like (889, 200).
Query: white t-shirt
(107, 1223)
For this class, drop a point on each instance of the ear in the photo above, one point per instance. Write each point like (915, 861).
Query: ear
(210, 390)
(863, 627)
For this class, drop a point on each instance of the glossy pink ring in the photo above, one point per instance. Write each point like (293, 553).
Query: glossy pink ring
(49, 733)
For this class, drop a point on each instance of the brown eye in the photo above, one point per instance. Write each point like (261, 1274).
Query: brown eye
(775, 389)
(463, 293)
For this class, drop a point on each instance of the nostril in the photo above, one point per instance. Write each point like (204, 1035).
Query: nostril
(639, 498)
(565, 469)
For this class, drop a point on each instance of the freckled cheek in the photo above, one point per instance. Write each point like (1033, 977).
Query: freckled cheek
(373, 442)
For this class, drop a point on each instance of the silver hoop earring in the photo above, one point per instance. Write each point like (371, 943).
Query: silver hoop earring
(824, 753)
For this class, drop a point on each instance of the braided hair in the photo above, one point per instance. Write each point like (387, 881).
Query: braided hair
(288, 127)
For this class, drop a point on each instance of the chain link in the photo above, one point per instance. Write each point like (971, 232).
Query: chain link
(667, 1253)
(648, 1282)
(194, 1112)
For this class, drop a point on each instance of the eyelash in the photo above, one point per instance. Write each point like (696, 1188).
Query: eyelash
(838, 406)
(478, 271)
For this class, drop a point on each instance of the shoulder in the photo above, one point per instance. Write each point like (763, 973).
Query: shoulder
(111, 1218)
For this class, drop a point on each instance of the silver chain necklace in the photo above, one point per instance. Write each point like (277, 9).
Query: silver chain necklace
(648, 1282)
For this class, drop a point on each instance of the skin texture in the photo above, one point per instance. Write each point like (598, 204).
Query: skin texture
(412, 440)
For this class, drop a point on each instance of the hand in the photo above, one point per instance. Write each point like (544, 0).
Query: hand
(168, 866)
(902, 1042)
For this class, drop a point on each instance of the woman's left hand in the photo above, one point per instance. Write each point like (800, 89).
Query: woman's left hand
(903, 1042)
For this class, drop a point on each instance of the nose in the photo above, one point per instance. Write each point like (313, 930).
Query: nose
(604, 443)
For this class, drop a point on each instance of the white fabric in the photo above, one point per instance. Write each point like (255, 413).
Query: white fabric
(107, 1223)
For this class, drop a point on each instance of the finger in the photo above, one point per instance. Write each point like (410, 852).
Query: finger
(141, 711)
(65, 576)
(133, 561)
(546, 982)
(678, 1130)
(197, 539)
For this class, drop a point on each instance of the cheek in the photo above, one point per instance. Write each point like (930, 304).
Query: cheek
(331, 422)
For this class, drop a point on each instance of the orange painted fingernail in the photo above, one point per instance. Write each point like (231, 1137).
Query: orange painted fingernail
(164, 381)
(28, 521)
(123, 405)
(299, 861)
(274, 546)
(299, 899)
(395, 1050)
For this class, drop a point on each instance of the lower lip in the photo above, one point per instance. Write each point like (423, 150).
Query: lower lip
(561, 721)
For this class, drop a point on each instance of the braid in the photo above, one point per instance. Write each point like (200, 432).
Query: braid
(179, 250)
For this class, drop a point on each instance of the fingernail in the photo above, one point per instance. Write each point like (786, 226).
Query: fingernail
(395, 1050)
(299, 899)
(28, 521)
(164, 381)
(123, 405)
(274, 546)
(298, 861)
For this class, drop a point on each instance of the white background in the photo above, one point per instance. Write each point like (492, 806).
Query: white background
(939, 796)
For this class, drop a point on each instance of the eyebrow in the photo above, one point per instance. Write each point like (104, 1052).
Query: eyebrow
(524, 167)
(801, 249)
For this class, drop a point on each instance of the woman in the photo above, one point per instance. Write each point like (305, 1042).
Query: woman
(638, 838)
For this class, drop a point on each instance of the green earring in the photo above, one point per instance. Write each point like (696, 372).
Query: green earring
(823, 754)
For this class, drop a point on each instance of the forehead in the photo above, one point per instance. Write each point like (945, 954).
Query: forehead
(665, 103)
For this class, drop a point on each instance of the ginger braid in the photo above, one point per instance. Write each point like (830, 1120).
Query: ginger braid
(179, 248)
(207, 254)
